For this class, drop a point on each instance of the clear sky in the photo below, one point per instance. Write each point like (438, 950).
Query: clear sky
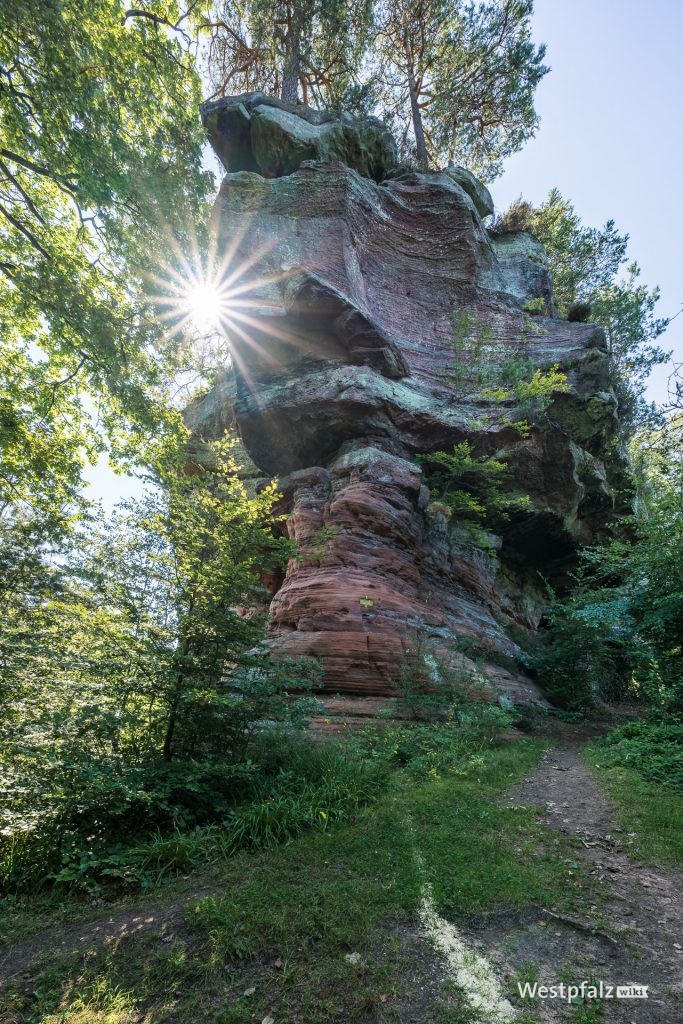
(610, 139)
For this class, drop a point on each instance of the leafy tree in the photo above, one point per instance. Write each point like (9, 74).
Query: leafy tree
(587, 265)
(460, 78)
(135, 681)
(626, 614)
(295, 49)
(100, 179)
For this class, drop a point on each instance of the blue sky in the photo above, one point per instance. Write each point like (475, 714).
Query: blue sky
(609, 139)
(610, 136)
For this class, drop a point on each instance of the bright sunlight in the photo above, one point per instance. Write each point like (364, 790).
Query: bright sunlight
(203, 305)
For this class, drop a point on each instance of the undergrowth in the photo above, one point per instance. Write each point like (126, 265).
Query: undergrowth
(641, 766)
(273, 938)
(653, 750)
(290, 786)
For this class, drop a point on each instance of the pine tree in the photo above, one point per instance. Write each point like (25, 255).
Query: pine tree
(460, 78)
(308, 50)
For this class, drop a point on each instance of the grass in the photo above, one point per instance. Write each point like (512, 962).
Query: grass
(272, 939)
(650, 813)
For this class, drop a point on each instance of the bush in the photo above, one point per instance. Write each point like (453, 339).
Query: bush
(92, 810)
(653, 750)
(583, 656)
(428, 685)
(519, 216)
(427, 751)
(73, 807)
(193, 812)
(472, 487)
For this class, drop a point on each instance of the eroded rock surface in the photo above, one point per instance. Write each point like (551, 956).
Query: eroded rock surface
(350, 283)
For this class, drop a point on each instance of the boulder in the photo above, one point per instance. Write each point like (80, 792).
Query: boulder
(476, 190)
(524, 265)
(254, 132)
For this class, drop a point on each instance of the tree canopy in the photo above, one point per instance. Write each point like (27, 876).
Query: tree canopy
(456, 79)
(459, 78)
(309, 50)
(100, 180)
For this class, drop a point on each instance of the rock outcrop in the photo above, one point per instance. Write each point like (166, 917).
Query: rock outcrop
(350, 281)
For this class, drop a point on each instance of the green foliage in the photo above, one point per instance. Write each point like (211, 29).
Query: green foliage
(296, 49)
(459, 79)
(317, 545)
(101, 182)
(267, 805)
(454, 746)
(490, 370)
(531, 389)
(591, 278)
(430, 685)
(587, 653)
(471, 486)
(640, 766)
(653, 750)
(135, 657)
(620, 630)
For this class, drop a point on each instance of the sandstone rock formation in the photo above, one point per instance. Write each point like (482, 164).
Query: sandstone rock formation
(349, 276)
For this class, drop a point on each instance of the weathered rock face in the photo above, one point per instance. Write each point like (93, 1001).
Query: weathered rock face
(348, 278)
(255, 132)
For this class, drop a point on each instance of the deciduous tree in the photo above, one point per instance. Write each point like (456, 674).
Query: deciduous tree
(100, 177)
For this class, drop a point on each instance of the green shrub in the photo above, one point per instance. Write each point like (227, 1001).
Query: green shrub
(193, 813)
(432, 750)
(471, 486)
(71, 811)
(653, 750)
(585, 655)
(429, 685)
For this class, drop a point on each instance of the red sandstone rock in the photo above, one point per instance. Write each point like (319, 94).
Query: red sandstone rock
(344, 317)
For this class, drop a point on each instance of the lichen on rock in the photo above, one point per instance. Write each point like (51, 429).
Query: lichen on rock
(354, 274)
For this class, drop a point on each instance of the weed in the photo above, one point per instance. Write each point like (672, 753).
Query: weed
(650, 813)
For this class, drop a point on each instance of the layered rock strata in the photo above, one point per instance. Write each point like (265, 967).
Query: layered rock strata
(361, 294)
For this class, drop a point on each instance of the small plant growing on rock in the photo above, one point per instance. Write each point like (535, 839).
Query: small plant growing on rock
(439, 508)
(518, 217)
(579, 312)
(429, 685)
(535, 307)
(470, 486)
(316, 546)
(531, 390)
(483, 363)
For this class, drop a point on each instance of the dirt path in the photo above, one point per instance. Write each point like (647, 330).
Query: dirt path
(634, 933)
(27, 957)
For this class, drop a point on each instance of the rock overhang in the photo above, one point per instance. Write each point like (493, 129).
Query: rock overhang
(356, 279)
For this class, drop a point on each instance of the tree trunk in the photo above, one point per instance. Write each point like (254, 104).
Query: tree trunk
(416, 113)
(167, 753)
(176, 697)
(290, 75)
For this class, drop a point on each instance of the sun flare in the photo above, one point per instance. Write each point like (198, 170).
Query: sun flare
(218, 302)
(206, 306)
